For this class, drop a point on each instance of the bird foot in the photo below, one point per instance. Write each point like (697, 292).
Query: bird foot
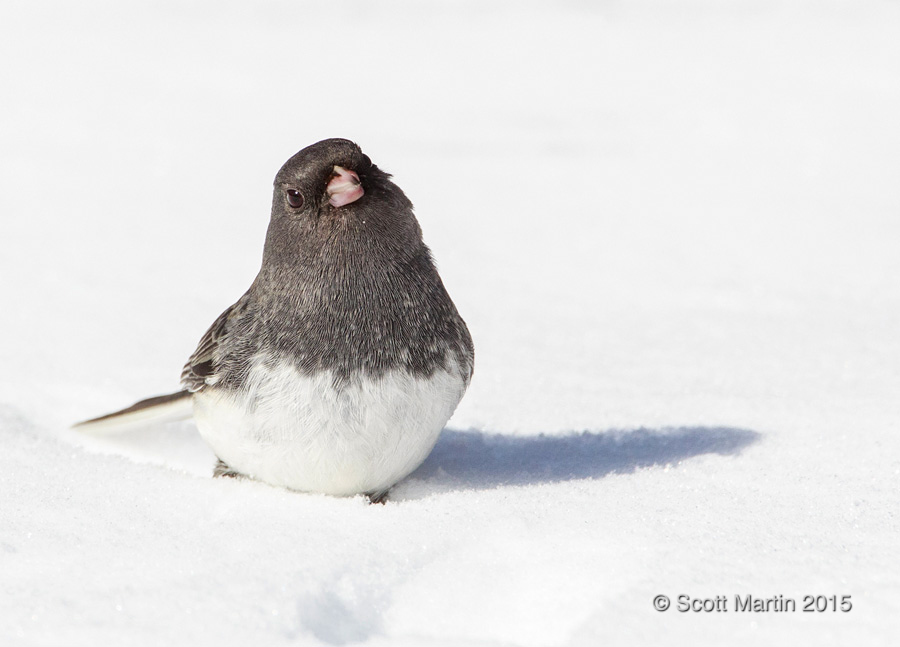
(223, 470)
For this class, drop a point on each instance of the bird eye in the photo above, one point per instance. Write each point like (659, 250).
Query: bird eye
(295, 198)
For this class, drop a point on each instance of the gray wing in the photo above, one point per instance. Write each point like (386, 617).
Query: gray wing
(200, 370)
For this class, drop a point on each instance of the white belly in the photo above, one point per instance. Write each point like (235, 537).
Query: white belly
(306, 434)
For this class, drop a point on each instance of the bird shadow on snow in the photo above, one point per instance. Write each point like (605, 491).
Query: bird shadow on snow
(464, 460)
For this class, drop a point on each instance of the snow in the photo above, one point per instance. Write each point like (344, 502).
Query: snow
(672, 228)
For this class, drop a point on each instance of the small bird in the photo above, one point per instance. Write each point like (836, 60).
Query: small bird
(336, 371)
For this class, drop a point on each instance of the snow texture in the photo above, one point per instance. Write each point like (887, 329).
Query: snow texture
(673, 229)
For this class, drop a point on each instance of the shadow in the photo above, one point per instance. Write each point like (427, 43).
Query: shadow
(476, 460)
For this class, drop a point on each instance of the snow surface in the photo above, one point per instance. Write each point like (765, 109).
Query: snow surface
(673, 229)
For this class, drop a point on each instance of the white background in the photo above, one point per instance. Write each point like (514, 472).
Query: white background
(673, 229)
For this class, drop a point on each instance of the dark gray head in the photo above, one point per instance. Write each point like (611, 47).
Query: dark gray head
(331, 201)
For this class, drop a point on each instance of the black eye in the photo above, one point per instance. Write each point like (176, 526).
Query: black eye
(295, 198)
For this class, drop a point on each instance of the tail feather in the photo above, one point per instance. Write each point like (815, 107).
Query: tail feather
(162, 408)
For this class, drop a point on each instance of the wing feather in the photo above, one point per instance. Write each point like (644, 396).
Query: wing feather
(200, 369)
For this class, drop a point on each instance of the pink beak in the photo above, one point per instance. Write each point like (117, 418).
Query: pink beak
(343, 187)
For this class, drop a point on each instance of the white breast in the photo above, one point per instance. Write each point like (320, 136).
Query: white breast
(306, 433)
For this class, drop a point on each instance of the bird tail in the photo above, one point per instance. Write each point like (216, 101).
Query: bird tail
(162, 408)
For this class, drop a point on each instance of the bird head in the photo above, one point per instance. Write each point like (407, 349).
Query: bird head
(330, 202)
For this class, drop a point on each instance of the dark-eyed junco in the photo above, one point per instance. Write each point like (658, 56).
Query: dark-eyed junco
(336, 371)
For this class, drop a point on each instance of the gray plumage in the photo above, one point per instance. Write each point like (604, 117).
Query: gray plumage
(346, 289)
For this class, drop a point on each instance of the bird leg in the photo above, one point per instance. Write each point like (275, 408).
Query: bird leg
(222, 470)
